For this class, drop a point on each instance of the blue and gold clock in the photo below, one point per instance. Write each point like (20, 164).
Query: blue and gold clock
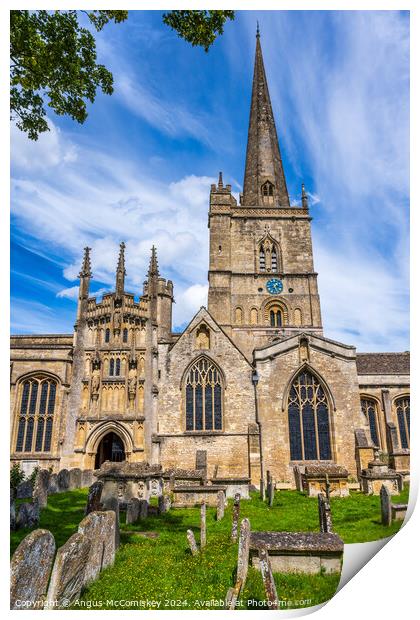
(274, 286)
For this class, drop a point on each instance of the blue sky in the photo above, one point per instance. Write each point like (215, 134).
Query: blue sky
(140, 168)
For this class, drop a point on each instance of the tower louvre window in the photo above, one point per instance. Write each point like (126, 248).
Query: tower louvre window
(36, 413)
(203, 397)
(309, 424)
(274, 259)
(262, 259)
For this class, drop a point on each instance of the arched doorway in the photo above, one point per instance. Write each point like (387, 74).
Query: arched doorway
(111, 448)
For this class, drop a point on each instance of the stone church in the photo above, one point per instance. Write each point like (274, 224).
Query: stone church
(252, 382)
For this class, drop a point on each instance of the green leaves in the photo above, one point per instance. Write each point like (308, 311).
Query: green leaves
(198, 27)
(53, 62)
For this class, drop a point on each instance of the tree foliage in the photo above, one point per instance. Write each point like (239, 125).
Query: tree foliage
(198, 27)
(53, 59)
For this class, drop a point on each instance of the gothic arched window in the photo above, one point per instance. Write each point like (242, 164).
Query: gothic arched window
(117, 367)
(107, 333)
(36, 413)
(267, 192)
(402, 406)
(125, 334)
(370, 410)
(111, 367)
(203, 397)
(309, 424)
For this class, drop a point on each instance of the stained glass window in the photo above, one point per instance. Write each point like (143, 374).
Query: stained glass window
(309, 426)
(38, 398)
(369, 409)
(402, 406)
(203, 396)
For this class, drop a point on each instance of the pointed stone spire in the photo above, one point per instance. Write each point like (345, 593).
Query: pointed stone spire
(85, 271)
(220, 183)
(153, 266)
(120, 276)
(263, 160)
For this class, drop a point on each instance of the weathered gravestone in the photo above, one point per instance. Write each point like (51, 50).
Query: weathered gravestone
(24, 489)
(220, 510)
(324, 513)
(243, 553)
(12, 510)
(203, 527)
(28, 515)
(192, 543)
(94, 497)
(63, 480)
(87, 478)
(164, 503)
(40, 492)
(112, 503)
(133, 510)
(68, 574)
(268, 579)
(270, 489)
(53, 484)
(99, 528)
(144, 508)
(30, 570)
(386, 511)
(75, 478)
(298, 478)
(235, 517)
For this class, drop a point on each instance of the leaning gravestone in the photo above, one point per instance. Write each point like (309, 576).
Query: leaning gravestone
(68, 573)
(30, 569)
(268, 579)
(28, 515)
(192, 542)
(75, 478)
(98, 527)
(63, 480)
(220, 509)
(111, 503)
(94, 497)
(324, 513)
(243, 553)
(133, 510)
(386, 511)
(41, 487)
(53, 484)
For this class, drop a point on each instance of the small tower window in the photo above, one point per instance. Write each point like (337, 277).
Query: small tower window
(107, 332)
(275, 317)
(125, 335)
(268, 192)
(111, 367)
(117, 367)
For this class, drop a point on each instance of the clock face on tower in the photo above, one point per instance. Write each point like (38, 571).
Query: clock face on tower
(274, 286)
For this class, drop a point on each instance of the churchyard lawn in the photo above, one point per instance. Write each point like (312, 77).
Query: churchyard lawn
(161, 570)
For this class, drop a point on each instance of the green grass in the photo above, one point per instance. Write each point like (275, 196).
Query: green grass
(163, 569)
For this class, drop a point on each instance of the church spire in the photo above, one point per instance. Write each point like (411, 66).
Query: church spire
(120, 275)
(264, 182)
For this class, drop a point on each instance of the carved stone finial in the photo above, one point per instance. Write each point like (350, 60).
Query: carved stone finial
(304, 198)
(120, 276)
(85, 271)
(153, 266)
(220, 183)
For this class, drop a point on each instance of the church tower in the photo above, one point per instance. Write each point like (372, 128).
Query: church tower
(262, 284)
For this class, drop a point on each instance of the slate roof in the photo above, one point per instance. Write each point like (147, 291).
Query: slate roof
(383, 363)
